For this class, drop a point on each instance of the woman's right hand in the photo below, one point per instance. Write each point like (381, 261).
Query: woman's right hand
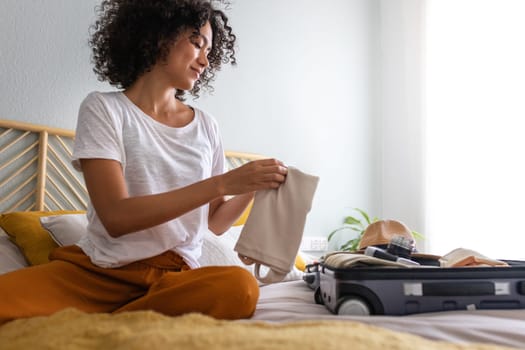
(253, 176)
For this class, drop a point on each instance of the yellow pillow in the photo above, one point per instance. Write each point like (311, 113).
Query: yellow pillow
(244, 216)
(300, 263)
(24, 230)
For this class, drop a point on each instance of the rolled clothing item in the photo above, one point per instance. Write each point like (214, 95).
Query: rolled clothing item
(273, 231)
(346, 260)
(461, 257)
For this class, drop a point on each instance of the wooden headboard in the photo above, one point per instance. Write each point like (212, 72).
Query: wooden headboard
(36, 172)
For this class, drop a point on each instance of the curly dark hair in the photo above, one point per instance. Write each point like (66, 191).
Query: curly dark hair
(130, 36)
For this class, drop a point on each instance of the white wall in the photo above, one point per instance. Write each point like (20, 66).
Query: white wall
(304, 89)
(44, 60)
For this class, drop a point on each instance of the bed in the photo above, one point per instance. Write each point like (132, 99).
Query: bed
(42, 203)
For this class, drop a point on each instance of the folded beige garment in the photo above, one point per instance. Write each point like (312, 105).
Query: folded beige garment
(343, 260)
(466, 257)
(273, 231)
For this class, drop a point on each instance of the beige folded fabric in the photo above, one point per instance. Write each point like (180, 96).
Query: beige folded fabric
(273, 231)
(465, 257)
(343, 260)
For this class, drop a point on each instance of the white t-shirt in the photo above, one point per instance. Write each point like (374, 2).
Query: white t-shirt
(155, 158)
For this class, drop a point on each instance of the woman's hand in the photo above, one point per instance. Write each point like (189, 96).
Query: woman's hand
(242, 183)
(253, 176)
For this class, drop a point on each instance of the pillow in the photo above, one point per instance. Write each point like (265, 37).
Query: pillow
(11, 257)
(218, 250)
(65, 229)
(24, 230)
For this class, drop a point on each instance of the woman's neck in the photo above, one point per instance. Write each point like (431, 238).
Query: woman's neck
(159, 102)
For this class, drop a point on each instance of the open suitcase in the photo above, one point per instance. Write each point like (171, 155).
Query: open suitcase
(376, 290)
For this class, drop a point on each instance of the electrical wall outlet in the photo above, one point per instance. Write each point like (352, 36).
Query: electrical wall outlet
(314, 244)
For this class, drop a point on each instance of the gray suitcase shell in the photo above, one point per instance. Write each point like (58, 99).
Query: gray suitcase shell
(402, 291)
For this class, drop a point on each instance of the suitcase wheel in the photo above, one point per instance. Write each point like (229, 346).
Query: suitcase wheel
(353, 306)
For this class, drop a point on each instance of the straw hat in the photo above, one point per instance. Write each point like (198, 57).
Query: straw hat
(381, 232)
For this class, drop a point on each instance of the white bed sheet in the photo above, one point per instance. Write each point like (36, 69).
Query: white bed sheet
(294, 301)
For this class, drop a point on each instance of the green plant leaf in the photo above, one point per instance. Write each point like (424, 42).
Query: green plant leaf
(350, 220)
(330, 236)
(349, 245)
(365, 215)
(418, 235)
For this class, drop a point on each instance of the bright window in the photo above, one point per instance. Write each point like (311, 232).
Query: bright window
(475, 127)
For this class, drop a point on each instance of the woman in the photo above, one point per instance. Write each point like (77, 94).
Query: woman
(153, 167)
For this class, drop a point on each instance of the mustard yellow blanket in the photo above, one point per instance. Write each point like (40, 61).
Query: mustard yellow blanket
(72, 330)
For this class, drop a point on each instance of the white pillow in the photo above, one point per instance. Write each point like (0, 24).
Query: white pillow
(11, 258)
(218, 250)
(65, 229)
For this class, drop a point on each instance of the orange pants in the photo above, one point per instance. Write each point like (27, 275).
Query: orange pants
(163, 283)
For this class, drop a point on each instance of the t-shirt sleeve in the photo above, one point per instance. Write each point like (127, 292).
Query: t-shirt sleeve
(97, 132)
(218, 160)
